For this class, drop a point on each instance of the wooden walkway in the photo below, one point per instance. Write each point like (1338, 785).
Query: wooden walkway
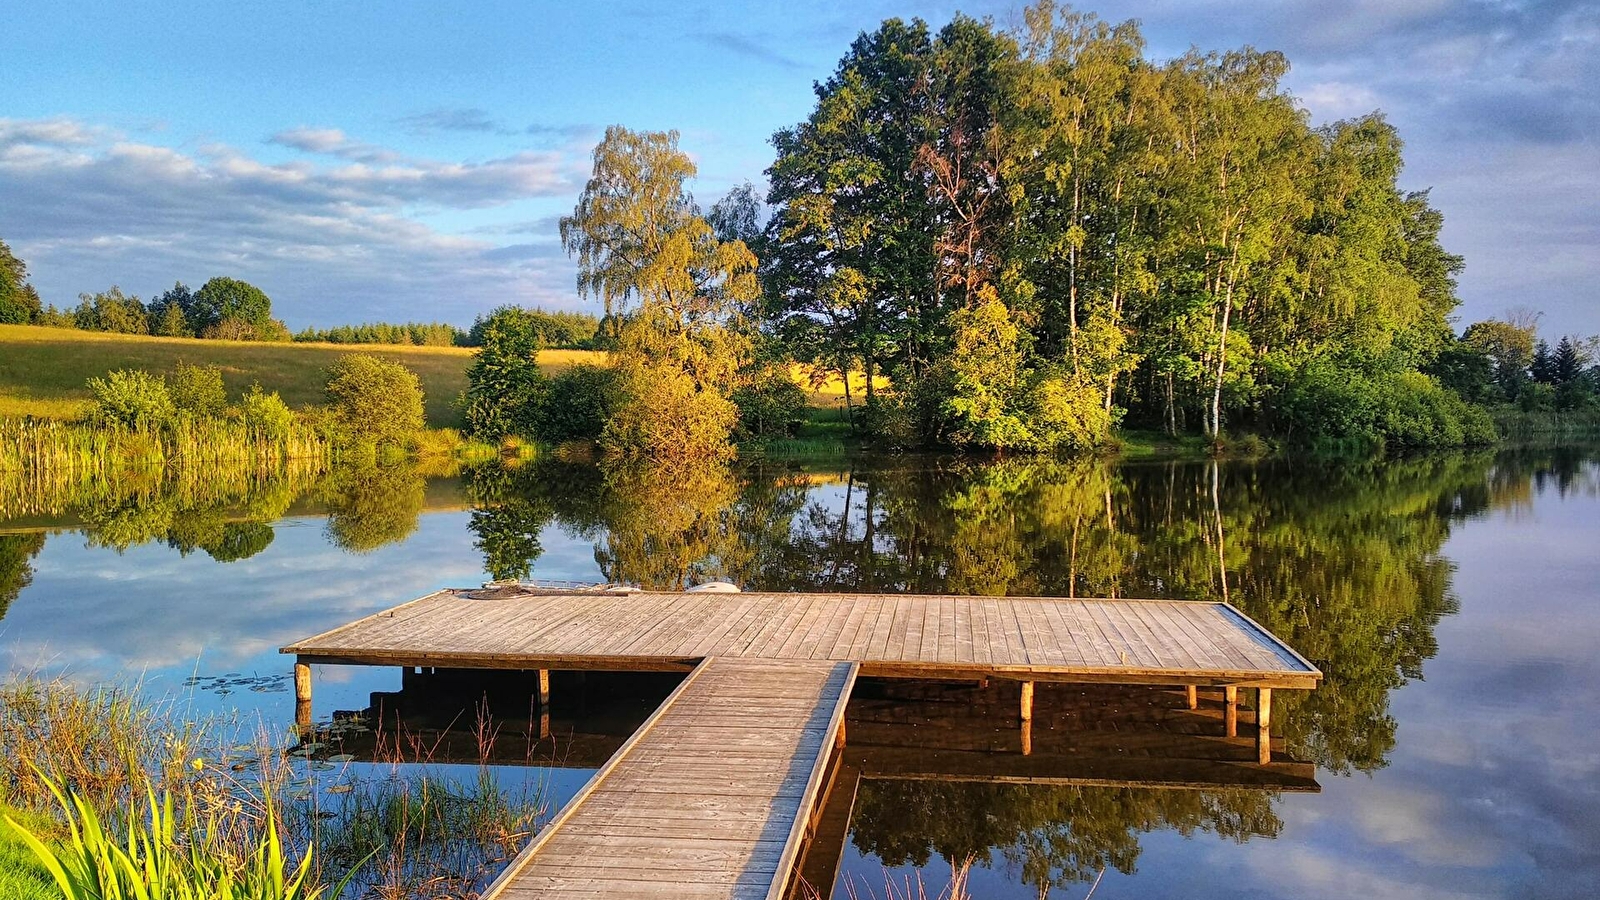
(1050, 639)
(711, 798)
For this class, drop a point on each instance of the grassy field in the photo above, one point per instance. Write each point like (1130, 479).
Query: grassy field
(43, 370)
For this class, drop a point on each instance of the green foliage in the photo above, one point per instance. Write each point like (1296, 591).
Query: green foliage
(111, 310)
(16, 565)
(1165, 236)
(420, 334)
(577, 405)
(161, 858)
(133, 399)
(1341, 407)
(232, 309)
(771, 405)
(573, 330)
(505, 389)
(375, 400)
(19, 302)
(645, 250)
(266, 413)
(665, 416)
(197, 390)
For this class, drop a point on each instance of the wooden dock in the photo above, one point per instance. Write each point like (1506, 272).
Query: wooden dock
(706, 800)
(713, 796)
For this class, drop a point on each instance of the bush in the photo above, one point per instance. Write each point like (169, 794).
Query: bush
(266, 413)
(662, 415)
(132, 398)
(1334, 407)
(197, 390)
(375, 399)
(577, 404)
(771, 405)
(1065, 413)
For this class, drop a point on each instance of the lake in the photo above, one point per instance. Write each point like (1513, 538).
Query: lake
(1452, 601)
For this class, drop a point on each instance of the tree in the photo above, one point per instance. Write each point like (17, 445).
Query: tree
(111, 310)
(19, 302)
(227, 307)
(1542, 367)
(505, 388)
(1566, 366)
(170, 313)
(1509, 345)
(853, 266)
(375, 400)
(643, 248)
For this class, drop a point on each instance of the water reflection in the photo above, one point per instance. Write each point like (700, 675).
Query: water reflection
(1354, 565)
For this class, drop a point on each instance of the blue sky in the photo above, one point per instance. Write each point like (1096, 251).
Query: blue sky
(407, 160)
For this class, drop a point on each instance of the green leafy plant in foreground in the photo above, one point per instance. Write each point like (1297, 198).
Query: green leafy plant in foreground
(161, 861)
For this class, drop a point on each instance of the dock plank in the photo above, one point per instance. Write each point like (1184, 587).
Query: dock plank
(706, 800)
(1157, 641)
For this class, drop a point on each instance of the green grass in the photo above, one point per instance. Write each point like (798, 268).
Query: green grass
(43, 370)
(22, 877)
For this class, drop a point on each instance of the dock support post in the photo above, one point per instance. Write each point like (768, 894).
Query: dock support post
(302, 697)
(1193, 696)
(544, 703)
(1027, 701)
(1230, 696)
(838, 739)
(1027, 737)
(1264, 725)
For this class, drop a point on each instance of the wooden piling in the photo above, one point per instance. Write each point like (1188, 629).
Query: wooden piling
(1193, 696)
(1230, 697)
(302, 698)
(1264, 725)
(544, 703)
(1027, 701)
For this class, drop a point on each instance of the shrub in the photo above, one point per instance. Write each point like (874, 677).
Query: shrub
(266, 413)
(197, 390)
(662, 415)
(771, 405)
(1331, 406)
(375, 399)
(131, 398)
(1065, 413)
(577, 405)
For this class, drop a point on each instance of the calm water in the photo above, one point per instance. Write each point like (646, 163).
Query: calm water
(1452, 601)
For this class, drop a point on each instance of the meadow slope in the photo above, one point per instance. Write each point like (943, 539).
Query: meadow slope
(43, 370)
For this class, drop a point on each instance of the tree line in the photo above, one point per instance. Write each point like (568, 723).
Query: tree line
(1039, 235)
(229, 308)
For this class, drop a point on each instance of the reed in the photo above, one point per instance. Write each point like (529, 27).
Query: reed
(113, 760)
(43, 450)
(162, 850)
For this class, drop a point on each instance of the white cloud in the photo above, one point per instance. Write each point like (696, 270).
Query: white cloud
(337, 238)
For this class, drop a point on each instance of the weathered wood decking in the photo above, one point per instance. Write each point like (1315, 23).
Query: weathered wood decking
(709, 799)
(1121, 641)
(712, 796)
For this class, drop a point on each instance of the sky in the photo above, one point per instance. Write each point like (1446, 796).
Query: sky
(408, 161)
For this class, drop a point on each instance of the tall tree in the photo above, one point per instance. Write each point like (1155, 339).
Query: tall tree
(853, 260)
(238, 308)
(644, 249)
(19, 302)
